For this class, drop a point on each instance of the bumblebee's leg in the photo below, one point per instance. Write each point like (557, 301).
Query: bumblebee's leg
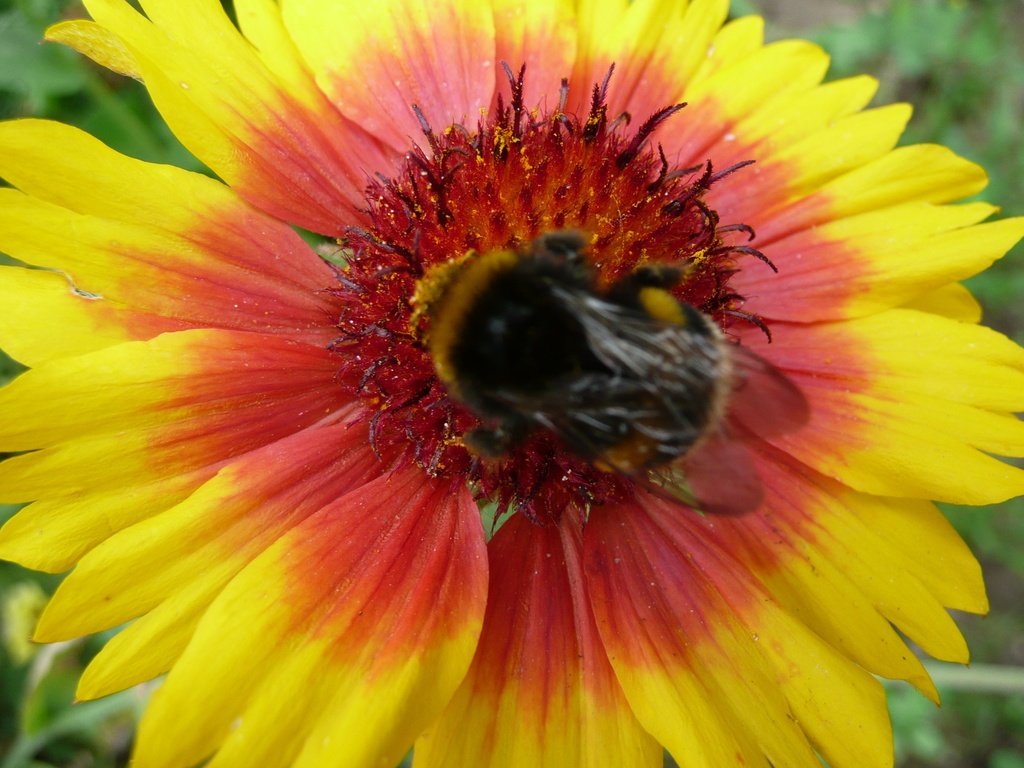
(492, 442)
(660, 277)
(653, 276)
(567, 244)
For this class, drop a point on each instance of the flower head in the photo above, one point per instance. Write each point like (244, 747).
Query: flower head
(609, 268)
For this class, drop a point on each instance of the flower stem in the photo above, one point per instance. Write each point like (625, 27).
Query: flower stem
(977, 678)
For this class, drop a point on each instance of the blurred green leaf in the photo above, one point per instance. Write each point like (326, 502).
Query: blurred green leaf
(1005, 758)
(39, 73)
(83, 719)
(916, 731)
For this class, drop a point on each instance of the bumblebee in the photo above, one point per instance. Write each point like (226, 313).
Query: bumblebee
(631, 379)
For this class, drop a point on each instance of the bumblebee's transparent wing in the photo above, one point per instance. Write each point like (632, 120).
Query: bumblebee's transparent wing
(763, 400)
(590, 412)
(716, 477)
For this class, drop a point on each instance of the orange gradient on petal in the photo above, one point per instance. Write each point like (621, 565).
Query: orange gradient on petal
(871, 412)
(165, 414)
(712, 665)
(406, 554)
(540, 690)
(818, 277)
(327, 159)
(360, 620)
(241, 392)
(437, 55)
(176, 563)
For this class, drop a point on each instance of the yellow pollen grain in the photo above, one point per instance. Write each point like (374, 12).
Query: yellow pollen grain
(595, 118)
(504, 138)
(699, 257)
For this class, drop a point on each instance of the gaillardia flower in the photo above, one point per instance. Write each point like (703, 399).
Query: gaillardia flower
(270, 465)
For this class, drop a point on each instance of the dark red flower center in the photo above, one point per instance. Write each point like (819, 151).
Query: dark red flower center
(499, 185)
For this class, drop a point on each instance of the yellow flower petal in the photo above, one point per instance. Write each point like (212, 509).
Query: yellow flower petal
(80, 506)
(35, 301)
(926, 172)
(954, 301)
(845, 144)
(877, 403)
(643, 40)
(150, 645)
(281, 145)
(174, 564)
(145, 248)
(735, 41)
(156, 412)
(99, 44)
(877, 260)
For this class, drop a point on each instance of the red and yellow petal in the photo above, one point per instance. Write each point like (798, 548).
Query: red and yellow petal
(876, 260)
(143, 249)
(715, 120)
(260, 122)
(852, 225)
(847, 564)
(540, 691)
(712, 665)
(883, 386)
(543, 37)
(439, 56)
(164, 415)
(339, 643)
(169, 567)
(219, 529)
(918, 173)
(656, 46)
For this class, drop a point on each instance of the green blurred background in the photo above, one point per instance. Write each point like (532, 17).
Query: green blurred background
(960, 63)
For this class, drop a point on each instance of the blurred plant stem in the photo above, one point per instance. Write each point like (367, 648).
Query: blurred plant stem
(977, 678)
